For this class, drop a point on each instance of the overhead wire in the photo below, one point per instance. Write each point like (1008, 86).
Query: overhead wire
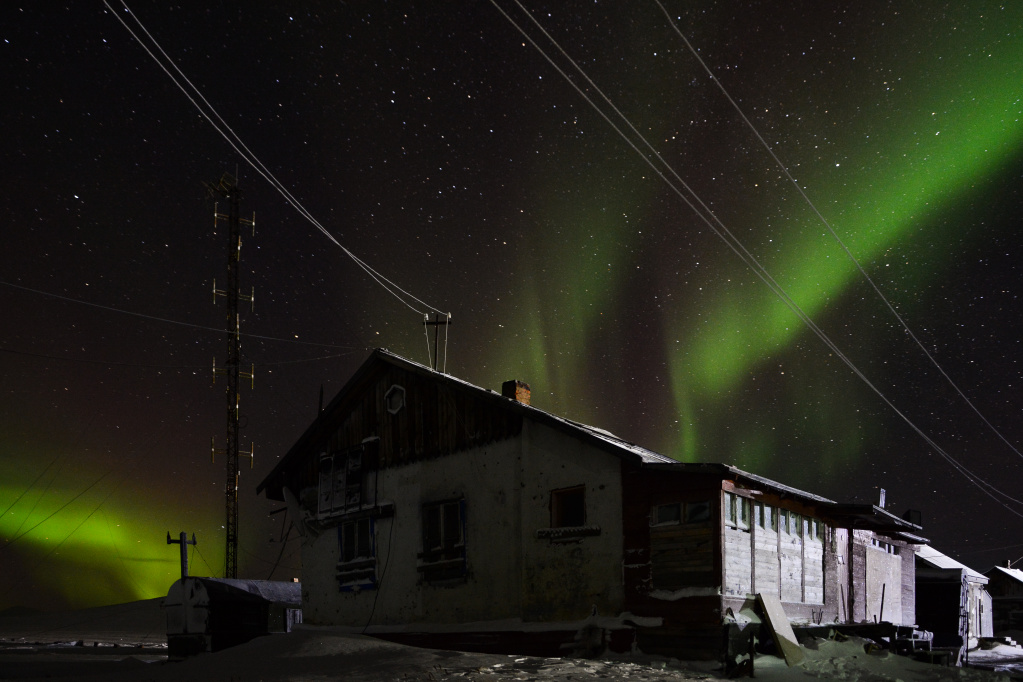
(61, 543)
(720, 230)
(170, 321)
(242, 150)
(31, 485)
(827, 224)
(54, 513)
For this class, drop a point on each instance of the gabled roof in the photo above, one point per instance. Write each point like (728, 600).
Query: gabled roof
(1013, 573)
(597, 437)
(934, 559)
(859, 516)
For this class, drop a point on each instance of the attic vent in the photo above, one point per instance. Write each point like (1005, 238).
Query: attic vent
(516, 390)
(394, 399)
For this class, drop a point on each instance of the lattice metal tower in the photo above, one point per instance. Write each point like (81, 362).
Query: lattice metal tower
(227, 188)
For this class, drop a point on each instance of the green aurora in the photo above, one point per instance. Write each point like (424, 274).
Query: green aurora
(947, 124)
(97, 550)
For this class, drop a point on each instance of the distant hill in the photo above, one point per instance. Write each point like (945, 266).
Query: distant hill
(139, 622)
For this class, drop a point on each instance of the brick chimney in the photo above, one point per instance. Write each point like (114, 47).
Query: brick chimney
(516, 390)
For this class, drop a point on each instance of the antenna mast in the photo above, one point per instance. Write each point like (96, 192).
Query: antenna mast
(227, 188)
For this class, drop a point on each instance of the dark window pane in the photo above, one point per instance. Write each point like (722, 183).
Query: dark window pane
(365, 543)
(452, 524)
(431, 529)
(668, 513)
(348, 542)
(697, 512)
(568, 508)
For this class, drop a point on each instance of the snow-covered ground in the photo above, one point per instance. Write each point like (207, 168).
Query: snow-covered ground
(314, 654)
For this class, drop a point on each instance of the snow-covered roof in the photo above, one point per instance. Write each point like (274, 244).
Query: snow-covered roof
(596, 436)
(274, 591)
(1013, 573)
(647, 456)
(945, 562)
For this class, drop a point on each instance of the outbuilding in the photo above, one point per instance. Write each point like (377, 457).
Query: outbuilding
(952, 600)
(1005, 584)
(210, 614)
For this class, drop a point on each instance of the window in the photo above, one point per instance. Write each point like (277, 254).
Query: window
(347, 480)
(698, 512)
(568, 507)
(356, 540)
(443, 555)
(356, 567)
(667, 514)
(884, 546)
(394, 399)
(737, 511)
(680, 512)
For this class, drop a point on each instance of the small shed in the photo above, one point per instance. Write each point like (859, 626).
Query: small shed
(1006, 588)
(210, 614)
(951, 600)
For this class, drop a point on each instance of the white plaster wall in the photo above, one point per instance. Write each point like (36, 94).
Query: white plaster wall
(511, 572)
(564, 580)
(488, 479)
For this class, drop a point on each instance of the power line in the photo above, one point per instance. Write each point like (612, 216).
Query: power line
(170, 321)
(31, 485)
(721, 230)
(58, 510)
(834, 234)
(238, 145)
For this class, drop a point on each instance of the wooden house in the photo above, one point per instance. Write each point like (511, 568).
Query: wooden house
(434, 511)
(952, 600)
(1005, 585)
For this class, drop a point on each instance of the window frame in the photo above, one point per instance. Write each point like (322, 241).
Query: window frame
(737, 512)
(447, 560)
(346, 480)
(358, 572)
(558, 511)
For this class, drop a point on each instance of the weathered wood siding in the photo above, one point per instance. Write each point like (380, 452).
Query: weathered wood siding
(766, 562)
(738, 562)
(790, 549)
(691, 612)
(813, 564)
(435, 418)
(681, 556)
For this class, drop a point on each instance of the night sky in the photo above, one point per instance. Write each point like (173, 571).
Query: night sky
(438, 145)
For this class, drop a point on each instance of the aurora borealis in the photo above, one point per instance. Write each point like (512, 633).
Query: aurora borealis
(441, 148)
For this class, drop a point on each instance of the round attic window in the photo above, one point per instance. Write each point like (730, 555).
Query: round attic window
(394, 399)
